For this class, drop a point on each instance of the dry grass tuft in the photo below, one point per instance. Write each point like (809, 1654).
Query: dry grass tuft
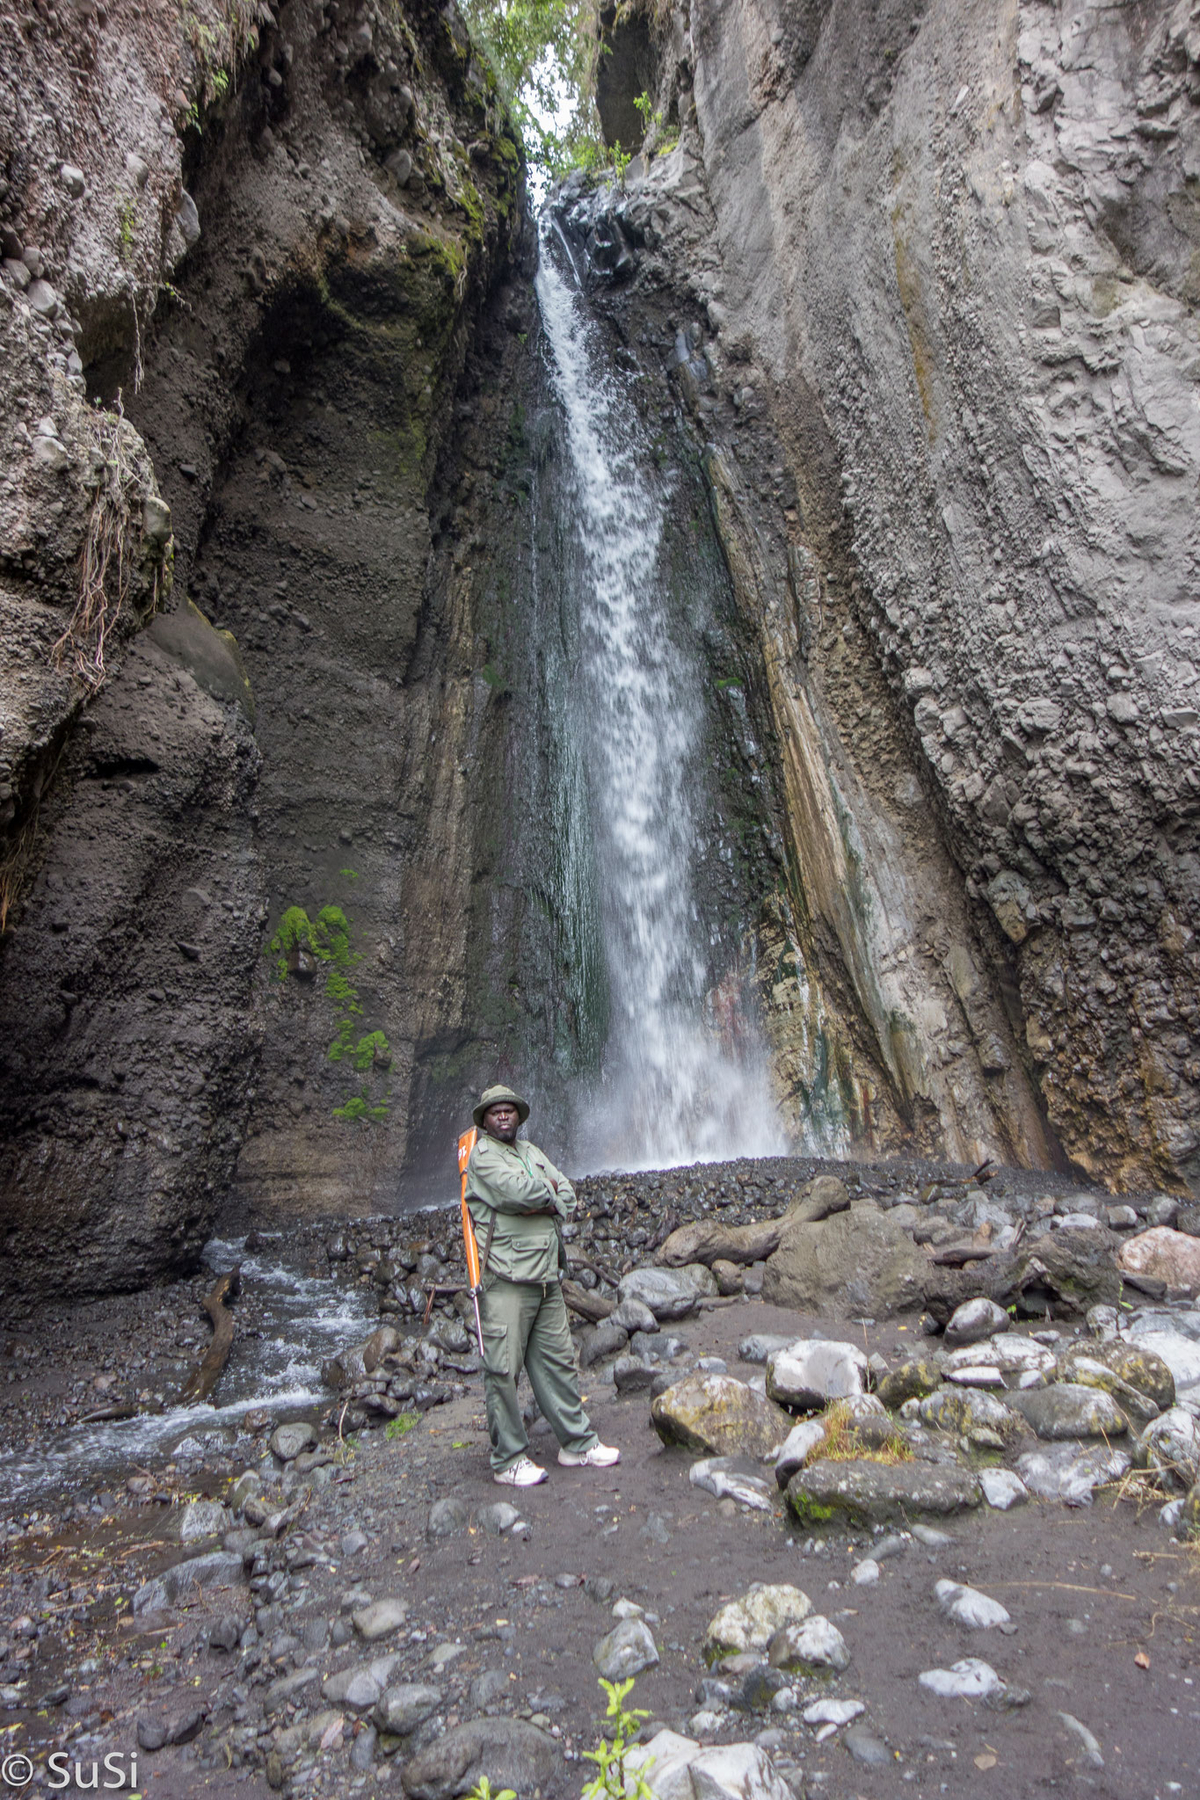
(842, 1443)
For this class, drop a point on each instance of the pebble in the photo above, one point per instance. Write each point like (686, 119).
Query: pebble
(931, 1537)
(1088, 1743)
(865, 1573)
(1002, 1489)
(354, 1542)
(866, 1748)
(380, 1619)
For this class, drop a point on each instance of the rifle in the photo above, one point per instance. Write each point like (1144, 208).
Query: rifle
(466, 1144)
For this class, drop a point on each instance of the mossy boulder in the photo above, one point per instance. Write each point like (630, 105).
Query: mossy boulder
(910, 1380)
(714, 1415)
(872, 1493)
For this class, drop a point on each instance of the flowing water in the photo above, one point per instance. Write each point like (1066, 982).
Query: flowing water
(305, 1319)
(684, 1073)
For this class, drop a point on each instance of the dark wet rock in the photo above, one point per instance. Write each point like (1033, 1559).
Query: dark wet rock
(605, 1339)
(633, 1376)
(151, 1733)
(511, 1753)
(716, 1415)
(1069, 1271)
(281, 1693)
(487, 1688)
(869, 1493)
(226, 1633)
(758, 1688)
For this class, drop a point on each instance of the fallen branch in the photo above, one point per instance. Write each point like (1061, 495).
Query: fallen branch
(203, 1379)
(592, 1307)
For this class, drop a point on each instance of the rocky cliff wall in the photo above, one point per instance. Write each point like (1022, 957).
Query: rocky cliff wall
(939, 265)
(252, 252)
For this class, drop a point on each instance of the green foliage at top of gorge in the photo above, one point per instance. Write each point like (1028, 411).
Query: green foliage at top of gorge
(544, 54)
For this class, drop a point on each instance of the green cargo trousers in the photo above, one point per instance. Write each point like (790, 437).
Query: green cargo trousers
(525, 1322)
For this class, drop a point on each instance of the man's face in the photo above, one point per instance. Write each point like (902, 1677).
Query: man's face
(501, 1121)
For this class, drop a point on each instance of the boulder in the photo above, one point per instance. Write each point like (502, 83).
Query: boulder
(510, 1752)
(351, 1364)
(605, 1339)
(666, 1758)
(910, 1380)
(1166, 1255)
(669, 1293)
(708, 1241)
(974, 1321)
(1081, 1366)
(203, 1518)
(716, 1415)
(857, 1262)
(868, 1493)
(1071, 1473)
(813, 1647)
(1002, 1489)
(1009, 1354)
(1141, 1367)
(1069, 1410)
(401, 1709)
(813, 1371)
(750, 1623)
(678, 1768)
(1179, 1355)
(1073, 1270)
(290, 1441)
(626, 1650)
(967, 1606)
(1170, 1446)
(634, 1315)
(981, 1418)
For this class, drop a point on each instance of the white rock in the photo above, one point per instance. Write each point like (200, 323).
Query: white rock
(967, 1606)
(1008, 1354)
(825, 1732)
(628, 1609)
(1089, 1745)
(832, 1712)
(976, 1377)
(968, 1679)
(813, 1645)
(1168, 1515)
(201, 1519)
(1067, 1472)
(1170, 1445)
(72, 179)
(704, 1723)
(751, 1622)
(931, 1537)
(975, 1320)
(737, 1772)
(51, 453)
(729, 1484)
(1002, 1489)
(670, 1755)
(865, 1573)
(1181, 1355)
(813, 1371)
(801, 1441)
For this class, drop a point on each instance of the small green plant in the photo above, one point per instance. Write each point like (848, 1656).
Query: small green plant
(400, 1427)
(611, 1781)
(127, 217)
(483, 1791)
(620, 160)
(299, 946)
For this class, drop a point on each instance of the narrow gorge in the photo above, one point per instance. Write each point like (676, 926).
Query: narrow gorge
(719, 652)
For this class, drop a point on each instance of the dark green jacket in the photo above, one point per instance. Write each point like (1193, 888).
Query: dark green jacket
(510, 1184)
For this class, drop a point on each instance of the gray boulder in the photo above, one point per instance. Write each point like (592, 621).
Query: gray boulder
(1068, 1410)
(861, 1261)
(979, 1417)
(716, 1415)
(669, 1293)
(869, 1493)
(813, 1371)
(974, 1321)
(812, 1647)
(511, 1753)
(605, 1339)
(401, 1709)
(1170, 1446)
(290, 1441)
(1070, 1472)
(626, 1650)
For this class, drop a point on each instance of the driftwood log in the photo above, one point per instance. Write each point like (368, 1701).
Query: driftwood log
(203, 1377)
(587, 1304)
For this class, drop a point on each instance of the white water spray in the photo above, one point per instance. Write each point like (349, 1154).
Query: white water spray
(676, 1088)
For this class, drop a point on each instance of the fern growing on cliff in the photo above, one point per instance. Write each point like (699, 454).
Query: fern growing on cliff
(300, 946)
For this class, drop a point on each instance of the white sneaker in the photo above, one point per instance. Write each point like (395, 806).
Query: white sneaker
(521, 1473)
(600, 1456)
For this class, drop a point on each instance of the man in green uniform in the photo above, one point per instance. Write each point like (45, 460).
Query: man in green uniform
(517, 1200)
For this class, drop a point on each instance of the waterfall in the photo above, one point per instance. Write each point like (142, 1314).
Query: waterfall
(684, 1077)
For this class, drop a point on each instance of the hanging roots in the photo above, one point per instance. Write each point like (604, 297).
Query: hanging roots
(113, 530)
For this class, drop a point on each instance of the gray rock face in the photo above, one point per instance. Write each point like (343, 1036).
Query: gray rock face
(1067, 1410)
(511, 1753)
(869, 1493)
(861, 1261)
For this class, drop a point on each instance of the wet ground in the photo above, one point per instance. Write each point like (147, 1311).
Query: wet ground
(1104, 1603)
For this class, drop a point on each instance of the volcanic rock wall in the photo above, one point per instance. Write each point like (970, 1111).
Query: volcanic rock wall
(940, 269)
(271, 239)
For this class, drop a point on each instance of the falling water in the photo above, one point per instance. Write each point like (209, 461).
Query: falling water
(674, 1088)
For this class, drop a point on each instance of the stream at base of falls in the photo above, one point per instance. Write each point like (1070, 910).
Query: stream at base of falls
(300, 1320)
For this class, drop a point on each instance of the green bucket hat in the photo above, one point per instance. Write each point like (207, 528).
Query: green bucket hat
(493, 1096)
